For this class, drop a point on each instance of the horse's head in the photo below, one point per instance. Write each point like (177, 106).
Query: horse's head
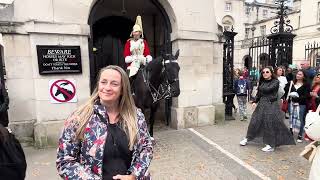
(172, 68)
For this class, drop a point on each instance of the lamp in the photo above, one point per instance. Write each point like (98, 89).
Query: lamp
(123, 11)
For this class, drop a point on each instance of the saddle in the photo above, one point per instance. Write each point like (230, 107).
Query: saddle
(145, 74)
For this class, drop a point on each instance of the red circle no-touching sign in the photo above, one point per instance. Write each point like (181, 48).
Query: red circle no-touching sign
(62, 90)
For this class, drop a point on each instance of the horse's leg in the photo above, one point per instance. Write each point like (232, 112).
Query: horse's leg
(153, 111)
(168, 103)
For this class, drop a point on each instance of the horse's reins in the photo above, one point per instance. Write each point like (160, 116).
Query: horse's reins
(166, 93)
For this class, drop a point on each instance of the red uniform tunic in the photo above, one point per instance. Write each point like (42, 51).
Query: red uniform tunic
(139, 47)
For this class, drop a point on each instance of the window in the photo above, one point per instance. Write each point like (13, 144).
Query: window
(318, 19)
(263, 30)
(228, 6)
(227, 23)
(248, 10)
(265, 13)
(246, 33)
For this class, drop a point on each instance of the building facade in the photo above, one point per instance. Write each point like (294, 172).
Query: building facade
(304, 18)
(97, 29)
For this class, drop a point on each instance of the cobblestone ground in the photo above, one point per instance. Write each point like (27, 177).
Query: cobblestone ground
(181, 155)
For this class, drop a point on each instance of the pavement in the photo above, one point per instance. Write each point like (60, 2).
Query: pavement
(211, 152)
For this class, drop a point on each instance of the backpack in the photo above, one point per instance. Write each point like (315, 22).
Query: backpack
(12, 159)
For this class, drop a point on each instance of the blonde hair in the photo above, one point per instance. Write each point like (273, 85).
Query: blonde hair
(127, 108)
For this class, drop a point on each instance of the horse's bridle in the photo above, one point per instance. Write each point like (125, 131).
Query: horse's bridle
(164, 90)
(164, 67)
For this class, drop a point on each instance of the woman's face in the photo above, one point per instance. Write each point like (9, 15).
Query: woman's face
(317, 79)
(300, 75)
(279, 72)
(266, 73)
(136, 34)
(109, 86)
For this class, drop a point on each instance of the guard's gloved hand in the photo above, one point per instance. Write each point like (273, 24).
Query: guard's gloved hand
(149, 58)
(128, 59)
(142, 59)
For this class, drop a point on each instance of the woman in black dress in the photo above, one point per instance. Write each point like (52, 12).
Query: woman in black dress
(267, 119)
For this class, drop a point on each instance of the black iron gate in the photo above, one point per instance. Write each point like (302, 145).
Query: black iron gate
(311, 54)
(259, 52)
(228, 55)
(275, 49)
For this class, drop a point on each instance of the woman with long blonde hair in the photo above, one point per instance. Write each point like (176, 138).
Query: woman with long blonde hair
(107, 137)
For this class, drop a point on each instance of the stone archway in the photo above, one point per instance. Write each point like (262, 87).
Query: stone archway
(264, 60)
(111, 23)
(247, 61)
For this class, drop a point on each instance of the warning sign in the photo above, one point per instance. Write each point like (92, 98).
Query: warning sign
(62, 91)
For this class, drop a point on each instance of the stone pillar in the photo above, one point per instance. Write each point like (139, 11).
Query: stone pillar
(200, 100)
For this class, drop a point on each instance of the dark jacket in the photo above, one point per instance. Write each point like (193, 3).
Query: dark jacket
(84, 160)
(303, 91)
(289, 77)
(4, 106)
(311, 72)
(241, 86)
(12, 159)
(268, 89)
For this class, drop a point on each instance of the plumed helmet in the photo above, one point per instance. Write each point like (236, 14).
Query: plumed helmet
(138, 26)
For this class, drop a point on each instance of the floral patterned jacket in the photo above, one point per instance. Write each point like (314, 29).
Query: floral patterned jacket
(83, 160)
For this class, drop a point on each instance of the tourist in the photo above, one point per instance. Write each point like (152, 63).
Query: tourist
(107, 137)
(267, 119)
(241, 88)
(298, 100)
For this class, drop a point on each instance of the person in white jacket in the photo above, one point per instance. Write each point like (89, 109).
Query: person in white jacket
(312, 129)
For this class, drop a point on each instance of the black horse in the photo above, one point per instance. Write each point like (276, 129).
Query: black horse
(158, 80)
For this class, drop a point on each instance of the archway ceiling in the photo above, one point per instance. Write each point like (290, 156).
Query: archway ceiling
(145, 7)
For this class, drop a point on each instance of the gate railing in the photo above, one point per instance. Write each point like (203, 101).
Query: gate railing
(259, 52)
(311, 53)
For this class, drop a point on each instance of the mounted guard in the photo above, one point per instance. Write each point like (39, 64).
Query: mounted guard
(158, 80)
(136, 50)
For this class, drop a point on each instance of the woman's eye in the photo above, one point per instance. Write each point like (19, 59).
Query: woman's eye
(115, 84)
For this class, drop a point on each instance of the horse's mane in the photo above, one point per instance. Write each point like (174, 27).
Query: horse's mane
(155, 65)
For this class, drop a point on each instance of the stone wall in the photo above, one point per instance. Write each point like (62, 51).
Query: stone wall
(60, 22)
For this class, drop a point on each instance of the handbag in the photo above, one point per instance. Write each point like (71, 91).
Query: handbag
(310, 150)
(285, 103)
